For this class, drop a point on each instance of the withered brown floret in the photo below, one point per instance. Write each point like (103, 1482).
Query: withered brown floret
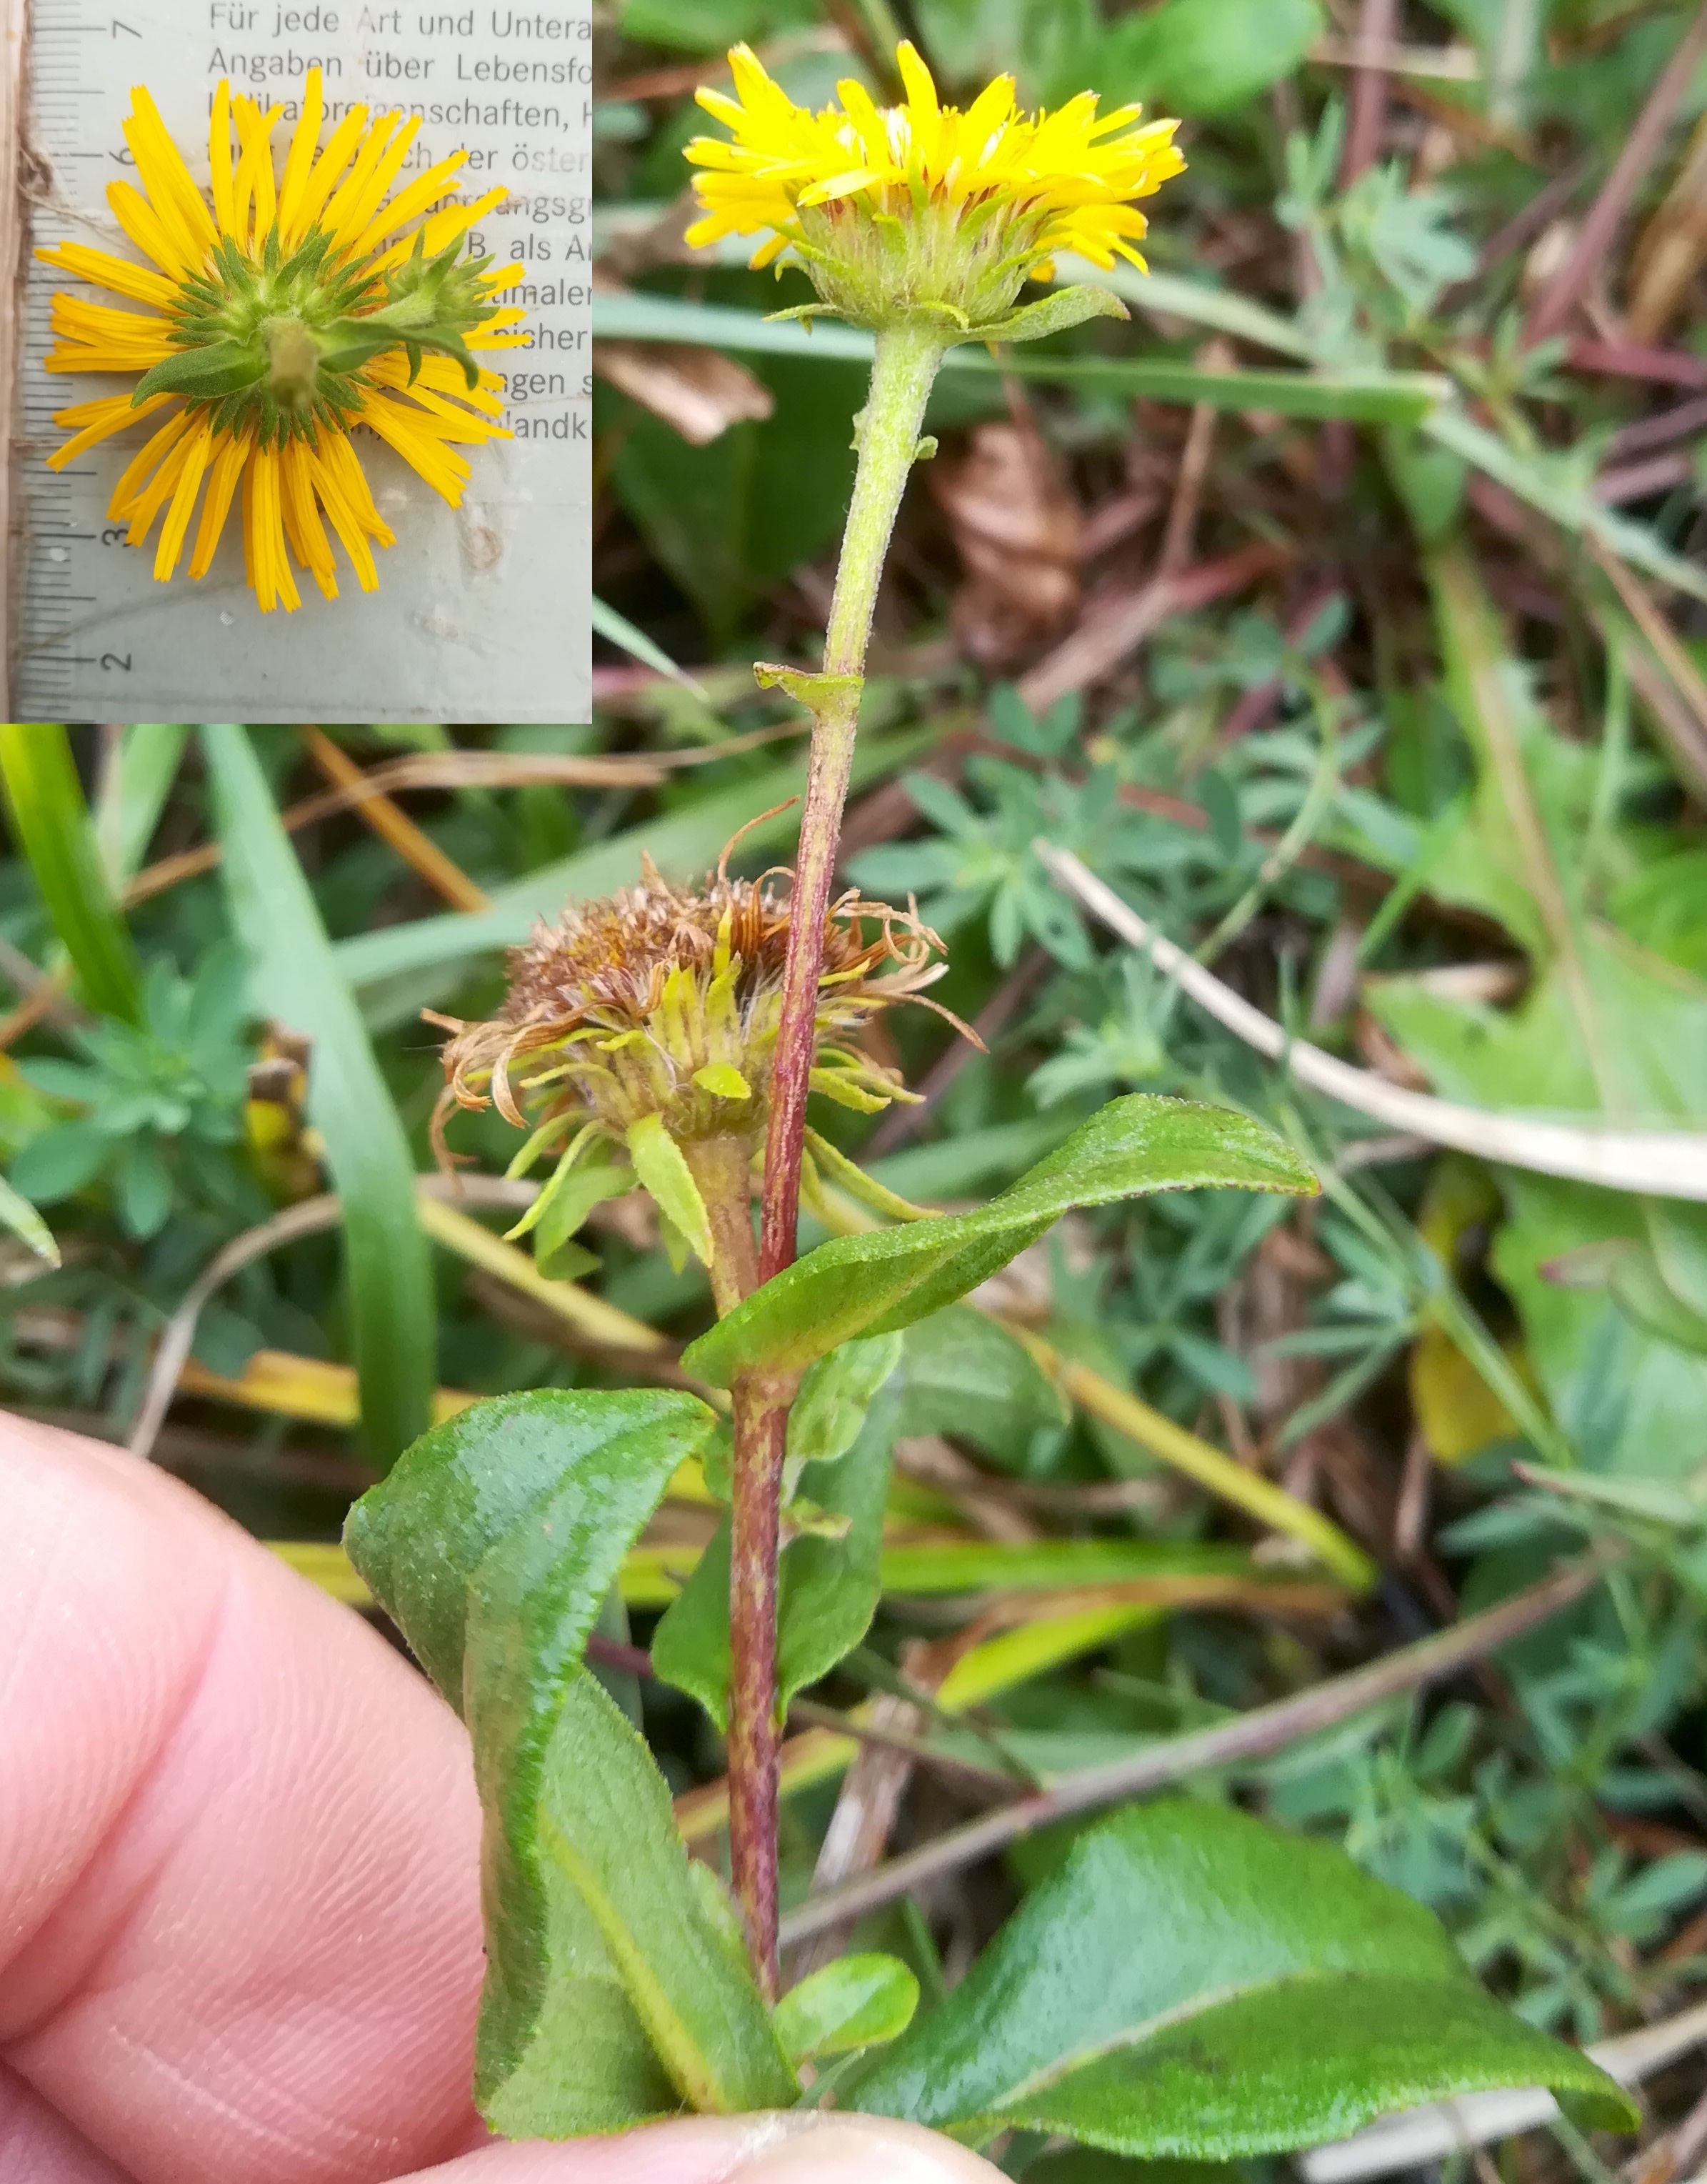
(666, 1000)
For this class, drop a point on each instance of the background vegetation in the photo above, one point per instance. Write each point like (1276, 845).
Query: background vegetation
(1344, 612)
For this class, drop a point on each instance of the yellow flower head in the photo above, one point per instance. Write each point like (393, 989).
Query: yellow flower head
(896, 210)
(287, 309)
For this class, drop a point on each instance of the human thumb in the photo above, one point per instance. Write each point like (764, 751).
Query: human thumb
(803, 2147)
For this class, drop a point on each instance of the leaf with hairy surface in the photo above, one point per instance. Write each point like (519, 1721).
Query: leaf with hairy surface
(1193, 1983)
(883, 1281)
(615, 1987)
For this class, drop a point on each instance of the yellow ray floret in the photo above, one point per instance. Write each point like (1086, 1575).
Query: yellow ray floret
(294, 302)
(1061, 181)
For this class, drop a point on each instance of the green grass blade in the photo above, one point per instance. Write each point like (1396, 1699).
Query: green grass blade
(26, 1224)
(44, 800)
(618, 630)
(296, 980)
(134, 793)
(1572, 507)
(1367, 397)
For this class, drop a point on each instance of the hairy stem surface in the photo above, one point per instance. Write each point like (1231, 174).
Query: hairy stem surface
(887, 439)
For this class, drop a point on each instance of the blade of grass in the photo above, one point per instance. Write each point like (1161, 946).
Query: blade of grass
(295, 980)
(1371, 397)
(133, 794)
(1198, 1459)
(51, 822)
(1569, 505)
(617, 629)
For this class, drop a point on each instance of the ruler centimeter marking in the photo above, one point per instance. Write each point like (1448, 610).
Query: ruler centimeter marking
(75, 124)
(480, 613)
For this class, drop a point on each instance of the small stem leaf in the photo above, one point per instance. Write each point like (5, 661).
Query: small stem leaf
(827, 1588)
(611, 1993)
(805, 685)
(1191, 1983)
(1051, 314)
(835, 1394)
(856, 2002)
(662, 1170)
(878, 1283)
(51, 823)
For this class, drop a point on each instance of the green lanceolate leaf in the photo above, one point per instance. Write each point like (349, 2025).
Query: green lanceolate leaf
(203, 375)
(614, 1991)
(856, 2002)
(878, 1283)
(293, 978)
(567, 1477)
(1193, 1983)
(615, 1872)
(44, 800)
(827, 1588)
(967, 1377)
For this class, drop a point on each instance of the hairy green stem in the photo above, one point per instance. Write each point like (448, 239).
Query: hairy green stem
(887, 436)
(887, 439)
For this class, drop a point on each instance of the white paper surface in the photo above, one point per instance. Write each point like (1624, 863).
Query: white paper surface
(482, 613)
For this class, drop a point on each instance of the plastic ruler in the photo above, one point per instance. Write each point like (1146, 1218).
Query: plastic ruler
(483, 613)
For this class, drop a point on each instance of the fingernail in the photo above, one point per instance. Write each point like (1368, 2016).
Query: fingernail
(855, 2150)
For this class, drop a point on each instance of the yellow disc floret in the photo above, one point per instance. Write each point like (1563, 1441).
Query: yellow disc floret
(920, 206)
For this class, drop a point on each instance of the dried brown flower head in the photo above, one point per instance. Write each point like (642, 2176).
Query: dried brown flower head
(664, 1002)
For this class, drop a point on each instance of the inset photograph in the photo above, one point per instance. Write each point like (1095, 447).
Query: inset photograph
(304, 424)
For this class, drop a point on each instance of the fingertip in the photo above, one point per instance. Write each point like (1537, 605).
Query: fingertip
(692, 2150)
(801, 2148)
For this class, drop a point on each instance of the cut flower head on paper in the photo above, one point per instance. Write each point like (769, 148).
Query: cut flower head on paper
(921, 208)
(285, 309)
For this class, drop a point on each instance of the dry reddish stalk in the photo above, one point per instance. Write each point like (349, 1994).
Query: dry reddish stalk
(1114, 627)
(1673, 246)
(1377, 32)
(1553, 309)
